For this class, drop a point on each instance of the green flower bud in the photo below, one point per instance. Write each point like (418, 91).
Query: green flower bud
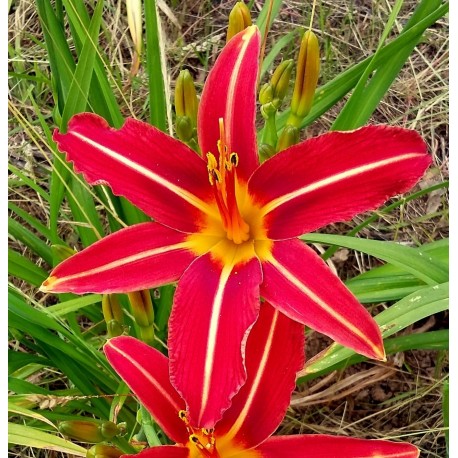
(266, 151)
(184, 128)
(186, 102)
(266, 94)
(239, 19)
(308, 69)
(103, 451)
(142, 307)
(111, 308)
(91, 431)
(280, 80)
(288, 137)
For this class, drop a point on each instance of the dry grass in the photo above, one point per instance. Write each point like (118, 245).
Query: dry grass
(401, 400)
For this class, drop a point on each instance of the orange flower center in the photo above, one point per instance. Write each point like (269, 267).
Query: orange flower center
(223, 177)
(202, 443)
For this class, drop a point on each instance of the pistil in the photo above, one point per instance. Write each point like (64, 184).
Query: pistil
(223, 177)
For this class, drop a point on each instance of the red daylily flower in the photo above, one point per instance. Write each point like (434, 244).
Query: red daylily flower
(274, 354)
(226, 226)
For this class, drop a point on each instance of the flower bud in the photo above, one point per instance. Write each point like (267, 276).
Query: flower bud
(288, 137)
(186, 104)
(266, 151)
(308, 69)
(111, 308)
(266, 94)
(239, 19)
(91, 431)
(142, 307)
(280, 80)
(113, 315)
(103, 451)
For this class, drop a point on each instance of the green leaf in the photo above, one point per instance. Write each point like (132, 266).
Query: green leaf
(78, 93)
(419, 263)
(32, 437)
(155, 67)
(18, 410)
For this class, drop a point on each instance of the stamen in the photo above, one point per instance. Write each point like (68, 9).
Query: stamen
(223, 177)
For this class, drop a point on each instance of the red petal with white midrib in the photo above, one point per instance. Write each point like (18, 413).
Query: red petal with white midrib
(214, 306)
(230, 93)
(142, 256)
(146, 371)
(325, 446)
(300, 284)
(155, 172)
(335, 176)
(274, 355)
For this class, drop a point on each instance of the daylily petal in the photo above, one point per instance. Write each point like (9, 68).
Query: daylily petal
(158, 174)
(230, 93)
(163, 451)
(274, 355)
(335, 176)
(299, 283)
(213, 309)
(324, 446)
(146, 371)
(138, 257)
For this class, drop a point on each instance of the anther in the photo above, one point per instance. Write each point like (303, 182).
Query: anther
(234, 158)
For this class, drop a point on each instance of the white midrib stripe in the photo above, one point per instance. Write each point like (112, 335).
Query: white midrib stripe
(254, 388)
(122, 262)
(327, 308)
(275, 203)
(231, 99)
(148, 376)
(185, 195)
(212, 333)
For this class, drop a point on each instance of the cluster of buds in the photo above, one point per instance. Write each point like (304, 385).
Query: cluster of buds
(143, 312)
(91, 431)
(186, 104)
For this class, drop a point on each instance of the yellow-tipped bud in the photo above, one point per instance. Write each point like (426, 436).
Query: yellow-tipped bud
(103, 451)
(288, 137)
(92, 431)
(142, 307)
(308, 69)
(186, 104)
(239, 19)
